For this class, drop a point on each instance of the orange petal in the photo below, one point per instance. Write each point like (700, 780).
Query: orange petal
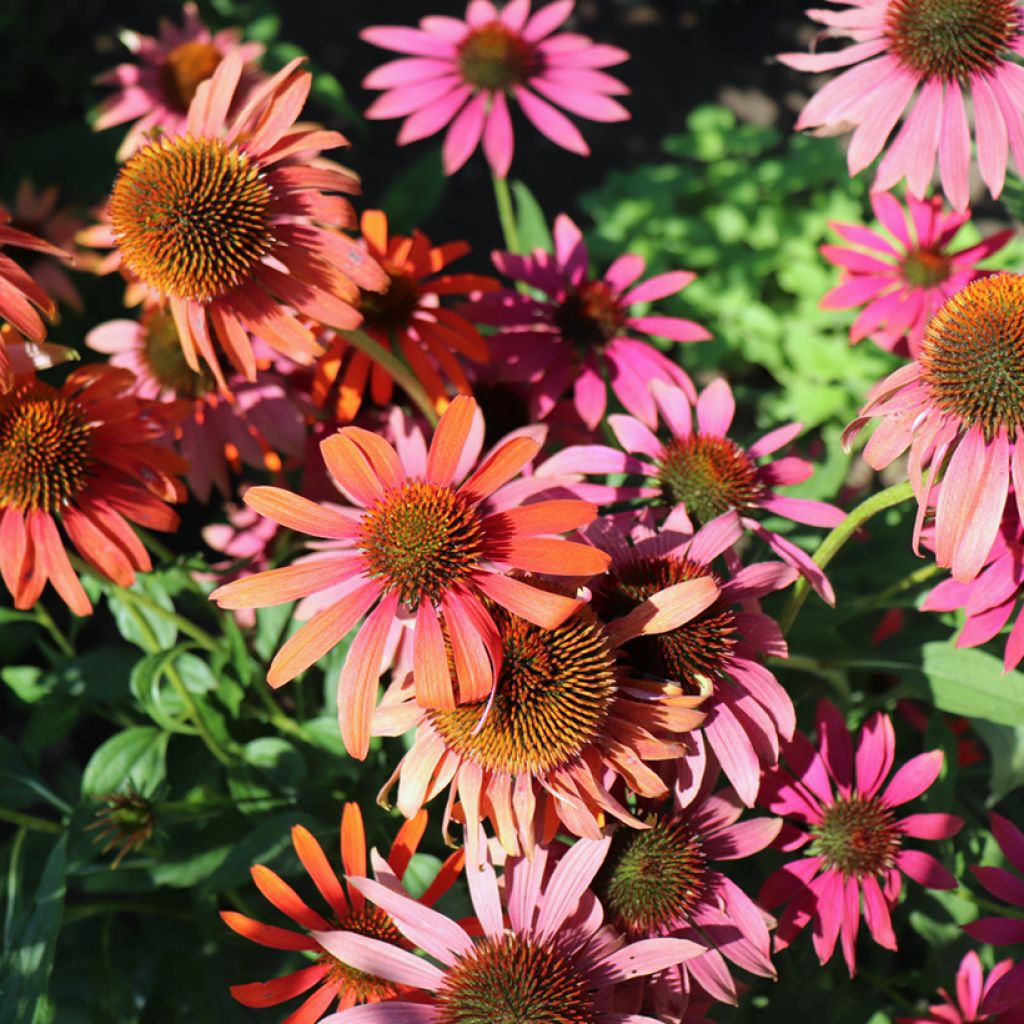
(543, 517)
(555, 557)
(279, 893)
(351, 469)
(450, 439)
(667, 610)
(278, 586)
(266, 934)
(540, 607)
(406, 842)
(316, 864)
(374, 226)
(353, 850)
(279, 990)
(381, 456)
(301, 514)
(430, 661)
(499, 467)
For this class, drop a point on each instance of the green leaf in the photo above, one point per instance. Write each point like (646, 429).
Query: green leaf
(136, 757)
(140, 626)
(28, 961)
(415, 193)
(272, 765)
(262, 845)
(1006, 745)
(533, 226)
(971, 682)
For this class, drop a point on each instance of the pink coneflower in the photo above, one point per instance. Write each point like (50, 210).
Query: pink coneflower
(157, 92)
(901, 281)
(538, 950)
(957, 408)
(845, 822)
(944, 51)
(973, 1001)
(234, 225)
(663, 880)
(564, 727)
(262, 422)
(578, 338)
(704, 473)
(716, 654)
(332, 981)
(419, 536)
(463, 74)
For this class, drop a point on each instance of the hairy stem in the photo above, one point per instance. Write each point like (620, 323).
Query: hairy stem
(398, 371)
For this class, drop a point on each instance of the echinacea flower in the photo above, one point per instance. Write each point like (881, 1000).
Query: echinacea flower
(156, 92)
(845, 823)
(262, 421)
(664, 880)
(944, 52)
(408, 315)
(973, 1001)
(462, 74)
(235, 223)
(717, 654)
(902, 280)
(84, 456)
(579, 337)
(958, 409)
(703, 473)
(420, 538)
(537, 950)
(332, 980)
(125, 823)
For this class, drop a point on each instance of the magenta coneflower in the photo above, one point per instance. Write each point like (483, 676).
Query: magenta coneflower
(975, 999)
(958, 409)
(580, 337)
(942, 51)
(902, 280)
(1009, 888)
(537, 951)
(846, 824)
(462, 74)
(157, 92)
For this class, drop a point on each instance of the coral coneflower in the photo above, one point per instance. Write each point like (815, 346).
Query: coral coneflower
(332, 979)
(234, 220)
(84, 456)
(407, 314)
(261, 423)
(420, 538)
(848, 828)
(901, 281)
(975, 999)
(580, 337)
(464, 73)
(537, 951)
(958, 409)
(942, 51)
(156, 93)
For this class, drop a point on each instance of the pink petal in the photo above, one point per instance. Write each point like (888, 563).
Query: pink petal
(551, 123)
(381, 959)
(499, 141)
(464, 134)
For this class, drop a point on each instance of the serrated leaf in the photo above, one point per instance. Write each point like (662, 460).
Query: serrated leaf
(136, 758)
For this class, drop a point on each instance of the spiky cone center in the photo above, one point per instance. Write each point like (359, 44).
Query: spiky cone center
(951, 39)
(496, 59)
(926, 268)
(421, 540)
(125, 824)
(393, 308)
(972, 356)
(553, 696)
(857, 836)
(710, 475)
(184, 69)
(514, 980)
(694, 654)
(366, 988)
(45, 448)
(191, 217)
(590, 316)
(162, 351)
(655, 877)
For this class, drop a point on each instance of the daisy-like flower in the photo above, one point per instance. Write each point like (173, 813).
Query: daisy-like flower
(664, 880)
(261, 422)
(942, 51)
(853, 843)
(84, 456)
(462, 74)
(973, 1001)
(958, 409)
(577, 339)
(419, 538)
(408, 315)
(703, 473)
(1006, 886)
(156, 92)
(233, 221)
(332, 980)
(563, 729)
(716, 654)
(903, 279)
(538, 950)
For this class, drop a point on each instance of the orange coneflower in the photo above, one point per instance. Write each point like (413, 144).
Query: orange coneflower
(407, 313)
(83, 455)
(232, 222)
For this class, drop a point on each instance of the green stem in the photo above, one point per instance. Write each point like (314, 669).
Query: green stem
(399, 372)
(30, 821)
(833, 543)
(506, 213)
(157, 547)
(45, 620)
(189, 628)
(274, 713)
